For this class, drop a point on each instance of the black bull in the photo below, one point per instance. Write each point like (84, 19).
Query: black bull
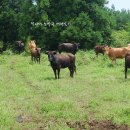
(59, 61)
(68, 47)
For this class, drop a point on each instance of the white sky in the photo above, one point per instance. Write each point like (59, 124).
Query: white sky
(119, 4)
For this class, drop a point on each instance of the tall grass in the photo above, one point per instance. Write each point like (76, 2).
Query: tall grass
(30, 92)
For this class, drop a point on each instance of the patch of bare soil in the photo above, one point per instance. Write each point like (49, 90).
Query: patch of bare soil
(41, 123)
(106, 125)
(23, 118)
(78, 125)
(96, 125)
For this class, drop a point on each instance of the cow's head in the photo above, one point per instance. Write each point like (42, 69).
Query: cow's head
(18, 42)
(77, 45)
(106, 49)
(51, 55)
(38, 50)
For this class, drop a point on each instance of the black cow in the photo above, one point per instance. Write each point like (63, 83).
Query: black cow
(19, 46)
(127, 63)
(68, 47)
(59, 61)
(99, 49)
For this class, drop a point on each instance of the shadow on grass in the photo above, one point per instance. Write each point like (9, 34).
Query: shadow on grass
(49, 78)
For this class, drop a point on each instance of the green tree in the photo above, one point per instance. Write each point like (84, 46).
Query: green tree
(120, 38)
(88, 22)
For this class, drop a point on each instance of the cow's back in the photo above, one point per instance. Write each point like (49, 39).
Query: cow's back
(68, 47)
(117, 52)
(65, 60)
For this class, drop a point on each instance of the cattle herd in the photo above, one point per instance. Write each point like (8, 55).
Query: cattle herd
(115, 53)
(58, 60)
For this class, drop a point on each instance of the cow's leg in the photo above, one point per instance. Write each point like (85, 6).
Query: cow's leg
(112, 61)
(35, 59)
(71, 71)
(115, 61)
(31, 58)
(97, 54)
(58, 73)
(39, 60)
(55, 73)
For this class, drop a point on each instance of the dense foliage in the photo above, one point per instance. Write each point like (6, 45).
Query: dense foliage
(50, 22)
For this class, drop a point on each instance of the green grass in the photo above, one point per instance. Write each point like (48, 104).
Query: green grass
(97, 91)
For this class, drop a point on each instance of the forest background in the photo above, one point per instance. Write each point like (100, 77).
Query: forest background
(50, 22)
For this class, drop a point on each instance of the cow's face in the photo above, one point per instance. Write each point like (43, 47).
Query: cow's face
(33, 41)
(39, 50)
(18, 42)
(106, 49)
(51, 55)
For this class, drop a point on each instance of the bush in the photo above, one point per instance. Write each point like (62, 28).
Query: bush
(120, 38)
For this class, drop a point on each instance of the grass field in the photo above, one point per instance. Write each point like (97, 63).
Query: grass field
(31, 99)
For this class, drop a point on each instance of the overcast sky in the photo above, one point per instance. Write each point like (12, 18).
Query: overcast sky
(120, 4)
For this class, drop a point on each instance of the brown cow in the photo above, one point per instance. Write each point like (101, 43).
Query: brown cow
(115, 53)
(59, 61)
(99, 49)
(35, 52)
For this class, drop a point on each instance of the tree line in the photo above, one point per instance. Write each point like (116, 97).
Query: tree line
(50, 22)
